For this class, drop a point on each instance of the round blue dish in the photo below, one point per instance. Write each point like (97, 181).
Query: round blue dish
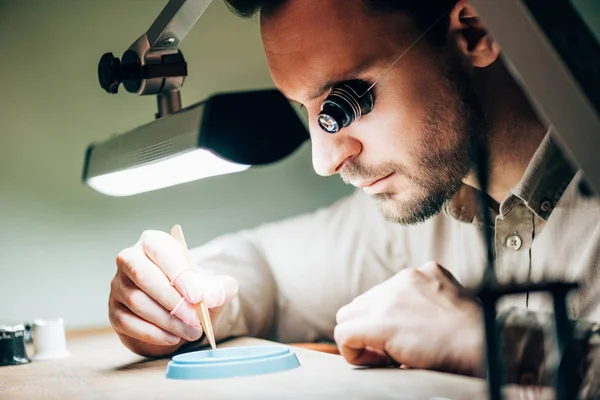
(231, 361)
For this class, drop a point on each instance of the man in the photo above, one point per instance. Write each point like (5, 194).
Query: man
(364, 279)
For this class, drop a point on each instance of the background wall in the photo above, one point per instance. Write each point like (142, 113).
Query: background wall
(59, 239)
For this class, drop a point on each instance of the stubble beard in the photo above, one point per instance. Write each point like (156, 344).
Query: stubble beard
(459, 121)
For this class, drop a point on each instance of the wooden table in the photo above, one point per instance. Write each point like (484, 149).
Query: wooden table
(102, 368)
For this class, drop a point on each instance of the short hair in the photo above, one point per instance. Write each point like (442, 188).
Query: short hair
(423, 12)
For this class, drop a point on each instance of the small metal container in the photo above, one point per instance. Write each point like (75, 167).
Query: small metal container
(12, 345)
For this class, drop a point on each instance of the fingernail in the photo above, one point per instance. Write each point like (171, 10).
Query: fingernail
(172, 339)
(187, 314)
(193, 332)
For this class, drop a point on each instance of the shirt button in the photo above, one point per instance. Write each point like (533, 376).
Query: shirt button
(514, 242)
(546, 205)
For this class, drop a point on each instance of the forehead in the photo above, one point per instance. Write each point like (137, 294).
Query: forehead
(311, 42)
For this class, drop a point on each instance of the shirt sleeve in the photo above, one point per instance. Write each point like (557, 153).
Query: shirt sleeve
(530, 353)
(252, 311)
(285, 270)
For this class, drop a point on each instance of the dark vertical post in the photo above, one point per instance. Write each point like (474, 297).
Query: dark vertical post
(494, 364)
(566, 385)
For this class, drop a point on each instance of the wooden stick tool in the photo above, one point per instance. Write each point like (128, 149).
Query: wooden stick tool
(201, 309)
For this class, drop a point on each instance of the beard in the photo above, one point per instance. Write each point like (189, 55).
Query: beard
(448, 132)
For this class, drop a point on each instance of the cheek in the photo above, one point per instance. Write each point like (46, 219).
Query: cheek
(406, 101)
(409, 118)
(389, 133)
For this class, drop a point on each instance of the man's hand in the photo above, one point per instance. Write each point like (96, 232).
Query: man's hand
(418, 318)
(142, 298)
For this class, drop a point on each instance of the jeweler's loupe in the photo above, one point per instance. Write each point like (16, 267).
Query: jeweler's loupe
(346, 103)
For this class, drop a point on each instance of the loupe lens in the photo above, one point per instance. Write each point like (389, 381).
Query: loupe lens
(332, 118)
(346, 103)
(327, 123)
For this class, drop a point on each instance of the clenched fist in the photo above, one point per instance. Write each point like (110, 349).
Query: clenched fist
(152, 277)
(419, 318)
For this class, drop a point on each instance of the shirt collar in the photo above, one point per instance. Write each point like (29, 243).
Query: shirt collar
(543, 183)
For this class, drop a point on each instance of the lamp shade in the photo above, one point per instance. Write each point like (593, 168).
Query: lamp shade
(229, 132)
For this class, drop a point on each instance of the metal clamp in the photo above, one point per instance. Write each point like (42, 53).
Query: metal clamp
(153, 64)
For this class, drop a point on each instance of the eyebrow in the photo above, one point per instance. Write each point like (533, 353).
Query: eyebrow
(324, 88)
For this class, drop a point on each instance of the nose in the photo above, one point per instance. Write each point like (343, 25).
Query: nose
(331, 151)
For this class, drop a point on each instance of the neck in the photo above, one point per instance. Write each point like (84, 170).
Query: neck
(515, 130)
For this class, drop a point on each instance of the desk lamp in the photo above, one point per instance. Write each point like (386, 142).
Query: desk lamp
(228, 132)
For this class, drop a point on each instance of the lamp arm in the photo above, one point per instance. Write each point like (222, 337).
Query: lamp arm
(174, 22)
(153, 64)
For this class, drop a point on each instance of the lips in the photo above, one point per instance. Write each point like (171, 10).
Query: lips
(363, 184)
(372, 186)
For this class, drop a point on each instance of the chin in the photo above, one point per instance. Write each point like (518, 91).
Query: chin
(395, 207)
(408, 208)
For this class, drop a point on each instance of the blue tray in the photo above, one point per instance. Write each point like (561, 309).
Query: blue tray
(232, 361)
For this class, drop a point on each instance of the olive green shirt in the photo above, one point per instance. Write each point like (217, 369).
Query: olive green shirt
(545, 230)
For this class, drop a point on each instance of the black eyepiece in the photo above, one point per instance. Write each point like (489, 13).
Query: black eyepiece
(346, 103)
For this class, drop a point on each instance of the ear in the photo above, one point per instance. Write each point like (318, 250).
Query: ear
(473, 40)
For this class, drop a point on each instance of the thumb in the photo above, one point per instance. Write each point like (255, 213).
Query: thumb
(361, 342)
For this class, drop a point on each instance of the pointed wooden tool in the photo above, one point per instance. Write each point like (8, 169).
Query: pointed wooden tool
(201, 309)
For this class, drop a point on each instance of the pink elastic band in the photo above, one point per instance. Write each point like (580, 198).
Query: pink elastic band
(179, 274)
(179, 303)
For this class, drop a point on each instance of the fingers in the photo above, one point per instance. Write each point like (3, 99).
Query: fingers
(347, 312)
(397, 319)
(127, 323)
(150, 279)
(432, 269)
(362, 304)
(149, 310)
(375, 298)
(359, 307)
(362, 342)
(170, 255)
(133, 263)
(157, 257)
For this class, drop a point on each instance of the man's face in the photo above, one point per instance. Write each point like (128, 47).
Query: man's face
(411, 151)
